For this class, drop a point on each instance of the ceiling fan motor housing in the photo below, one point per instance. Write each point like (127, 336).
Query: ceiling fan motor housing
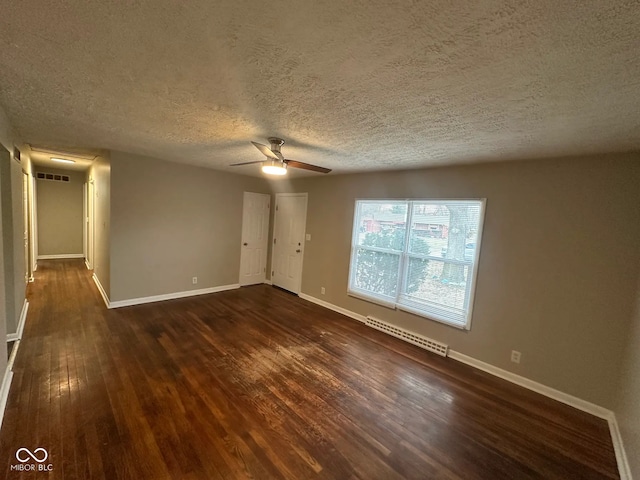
(276, 143)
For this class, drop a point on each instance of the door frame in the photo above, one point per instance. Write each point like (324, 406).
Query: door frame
(305, 196)
(26, 228)
(90, 224)
(33, 219)
(85, 228)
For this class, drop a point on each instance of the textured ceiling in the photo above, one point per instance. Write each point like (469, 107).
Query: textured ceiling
(355, 85)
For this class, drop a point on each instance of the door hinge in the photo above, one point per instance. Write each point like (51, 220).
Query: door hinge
(272, 273)
(276, 208)
(274, 241)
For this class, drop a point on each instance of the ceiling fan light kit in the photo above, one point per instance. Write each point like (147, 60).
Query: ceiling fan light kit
(275, 167)
(277, 163)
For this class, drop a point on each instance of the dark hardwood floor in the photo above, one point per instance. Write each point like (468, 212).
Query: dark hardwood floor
(257, 383)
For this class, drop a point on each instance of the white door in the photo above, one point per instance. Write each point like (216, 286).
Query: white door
(85, 223)
(25, 221)
(288, 240)
(90, 221)
(33, 218)
(255, 232)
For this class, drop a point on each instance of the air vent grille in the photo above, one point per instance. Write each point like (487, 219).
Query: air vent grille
(418, 340)
(52, 177)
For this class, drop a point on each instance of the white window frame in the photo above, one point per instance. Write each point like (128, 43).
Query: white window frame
(400, 302)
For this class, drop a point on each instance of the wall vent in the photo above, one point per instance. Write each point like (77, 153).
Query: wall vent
(422, 342)
(53, 177)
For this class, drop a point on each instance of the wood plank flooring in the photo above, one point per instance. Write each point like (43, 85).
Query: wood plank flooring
(257, 383)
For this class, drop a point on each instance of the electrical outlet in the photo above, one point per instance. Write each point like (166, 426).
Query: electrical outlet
(308, 237)
(194, 280)
(322, 290)
(515, 356)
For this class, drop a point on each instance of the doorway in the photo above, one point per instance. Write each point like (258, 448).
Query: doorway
(28, 264)
(288, 240)
(89, 222)
(255, 233)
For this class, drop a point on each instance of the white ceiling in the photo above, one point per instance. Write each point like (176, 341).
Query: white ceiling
(353, 85)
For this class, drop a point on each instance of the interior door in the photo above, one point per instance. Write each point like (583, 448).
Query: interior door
(255, 232)
(85, 223)
(33, 218)
(90, 219)
(25, 221)
(288, 240)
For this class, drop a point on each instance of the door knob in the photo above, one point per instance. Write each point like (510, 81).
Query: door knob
(298, 251)
(245, 244)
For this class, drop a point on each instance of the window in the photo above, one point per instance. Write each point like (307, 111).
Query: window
(417, 255)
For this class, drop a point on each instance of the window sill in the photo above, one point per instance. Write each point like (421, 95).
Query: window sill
(377, 301)
(408, 309)
(432, 317)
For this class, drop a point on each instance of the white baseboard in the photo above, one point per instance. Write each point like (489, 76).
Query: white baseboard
(621, 456)
(171, 296)
(87, 264)
(335, 308)
(268, 282)
(591, 408)
(6, 381)
(104, 295)
(531, 385)
(12, 337)
(62, 255)
(12, 357)
(4, 391)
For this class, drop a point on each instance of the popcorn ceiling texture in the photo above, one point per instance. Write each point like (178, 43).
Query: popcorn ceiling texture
(354, 85)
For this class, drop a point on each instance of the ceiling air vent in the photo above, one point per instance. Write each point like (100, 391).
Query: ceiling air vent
(16, 154)
(53, 177)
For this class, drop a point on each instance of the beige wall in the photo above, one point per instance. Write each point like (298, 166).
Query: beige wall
(60, 213)
(10, 305)
(3, 294)
(557, 270)
(13, 228)
(12, 232)
(19, 271)
(171, 222)
(100, 175)
(19, 264)
(627, 408)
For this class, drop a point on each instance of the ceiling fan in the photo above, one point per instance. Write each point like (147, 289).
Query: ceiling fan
(276, 163)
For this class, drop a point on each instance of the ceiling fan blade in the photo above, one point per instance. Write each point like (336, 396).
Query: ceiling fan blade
(246, 163)
(265, 150)
(306, 166)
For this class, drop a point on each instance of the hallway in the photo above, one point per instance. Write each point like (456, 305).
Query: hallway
(257, 383)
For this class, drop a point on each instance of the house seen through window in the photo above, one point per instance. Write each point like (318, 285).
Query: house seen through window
(417, 255)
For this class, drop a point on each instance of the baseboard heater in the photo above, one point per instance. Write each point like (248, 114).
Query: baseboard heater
(413, 338)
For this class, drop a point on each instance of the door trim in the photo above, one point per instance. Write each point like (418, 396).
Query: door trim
(26, 228)
(33, 222)
(275, 229)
